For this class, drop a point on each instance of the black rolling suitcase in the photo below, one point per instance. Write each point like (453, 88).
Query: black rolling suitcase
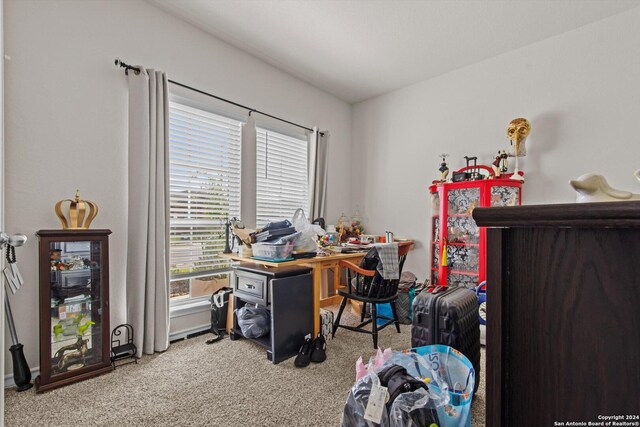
(448, 317)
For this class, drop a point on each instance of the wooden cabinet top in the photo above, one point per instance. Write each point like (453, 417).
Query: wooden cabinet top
(597, 215)
(73, 232)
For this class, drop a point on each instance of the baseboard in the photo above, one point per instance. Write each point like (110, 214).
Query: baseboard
(10, 383)
(179, 335)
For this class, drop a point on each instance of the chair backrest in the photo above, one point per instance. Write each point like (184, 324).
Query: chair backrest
(122, 334)
(403, 250)
(376, 286)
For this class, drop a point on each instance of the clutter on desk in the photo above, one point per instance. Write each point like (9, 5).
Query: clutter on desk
(431, 385)
(285, 239)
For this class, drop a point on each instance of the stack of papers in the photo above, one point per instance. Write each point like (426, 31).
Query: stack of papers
(274, 234)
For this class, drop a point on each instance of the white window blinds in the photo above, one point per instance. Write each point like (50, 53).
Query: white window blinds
(204, 169)
(282, 185)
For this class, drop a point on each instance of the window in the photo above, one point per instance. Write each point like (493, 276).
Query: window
(282, 182)
(204, 178)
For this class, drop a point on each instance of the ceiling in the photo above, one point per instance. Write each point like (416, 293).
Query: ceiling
(356, 50)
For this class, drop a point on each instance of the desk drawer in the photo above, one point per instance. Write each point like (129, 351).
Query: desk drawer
(251, 287)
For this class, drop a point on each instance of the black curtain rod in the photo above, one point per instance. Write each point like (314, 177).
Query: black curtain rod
(136, 70)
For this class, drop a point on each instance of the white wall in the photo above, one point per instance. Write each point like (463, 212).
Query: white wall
(66, 117)
(580, 90)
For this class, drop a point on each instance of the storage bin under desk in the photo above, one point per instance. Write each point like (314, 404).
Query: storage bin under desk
(288, 293)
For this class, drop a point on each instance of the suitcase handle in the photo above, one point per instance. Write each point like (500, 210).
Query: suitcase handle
(481, 287)
(434, 289)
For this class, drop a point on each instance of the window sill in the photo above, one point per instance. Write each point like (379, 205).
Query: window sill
(187, 309)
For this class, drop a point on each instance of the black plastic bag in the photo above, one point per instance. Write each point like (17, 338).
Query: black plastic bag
(254, 321)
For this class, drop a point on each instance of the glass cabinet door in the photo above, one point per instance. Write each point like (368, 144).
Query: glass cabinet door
(76, 306)
(463, 237)
(505, 196)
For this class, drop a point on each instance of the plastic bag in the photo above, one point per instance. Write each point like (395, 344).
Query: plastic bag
(309, 233)
(254, 321)
(450, 379)
(356, 404)
(376, 363)
(408, 409)
(415, 408)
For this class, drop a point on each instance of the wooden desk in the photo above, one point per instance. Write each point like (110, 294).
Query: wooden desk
(318, 264)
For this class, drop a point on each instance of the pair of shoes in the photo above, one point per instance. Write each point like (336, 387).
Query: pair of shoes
(311, 351)
(319, 352)
(304, 354)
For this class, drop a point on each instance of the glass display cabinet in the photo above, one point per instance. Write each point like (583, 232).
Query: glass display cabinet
(74, 306)
(458, 245)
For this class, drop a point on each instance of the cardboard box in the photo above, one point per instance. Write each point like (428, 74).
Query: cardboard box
(356, 307)
(207, 285)
(230, 314)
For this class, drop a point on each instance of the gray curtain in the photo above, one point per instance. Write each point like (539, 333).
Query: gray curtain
(248, 179)
(148, 211)
(318, 152)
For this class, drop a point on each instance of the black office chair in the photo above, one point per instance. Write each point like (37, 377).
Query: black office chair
(370, 288)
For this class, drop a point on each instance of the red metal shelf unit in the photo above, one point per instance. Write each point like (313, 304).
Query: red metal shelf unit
(462, 260)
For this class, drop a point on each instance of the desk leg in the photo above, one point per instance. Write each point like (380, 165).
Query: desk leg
(317, 283)
(336, 278)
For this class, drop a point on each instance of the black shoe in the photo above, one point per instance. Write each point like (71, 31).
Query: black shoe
(319, 353)
(304, 354)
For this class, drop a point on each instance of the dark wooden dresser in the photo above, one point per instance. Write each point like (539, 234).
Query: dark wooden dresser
(563, 321)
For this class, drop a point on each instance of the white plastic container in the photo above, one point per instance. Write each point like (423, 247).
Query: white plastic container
(272, 252)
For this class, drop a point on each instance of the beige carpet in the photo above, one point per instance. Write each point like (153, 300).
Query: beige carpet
(230, 383)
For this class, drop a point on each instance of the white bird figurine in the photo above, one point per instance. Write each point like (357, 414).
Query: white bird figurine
(594, 188)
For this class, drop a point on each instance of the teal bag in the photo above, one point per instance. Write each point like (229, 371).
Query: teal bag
(450, 377)
(384, 310)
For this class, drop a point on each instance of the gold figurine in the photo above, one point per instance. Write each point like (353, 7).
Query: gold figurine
(517, 132)
(77, 212)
